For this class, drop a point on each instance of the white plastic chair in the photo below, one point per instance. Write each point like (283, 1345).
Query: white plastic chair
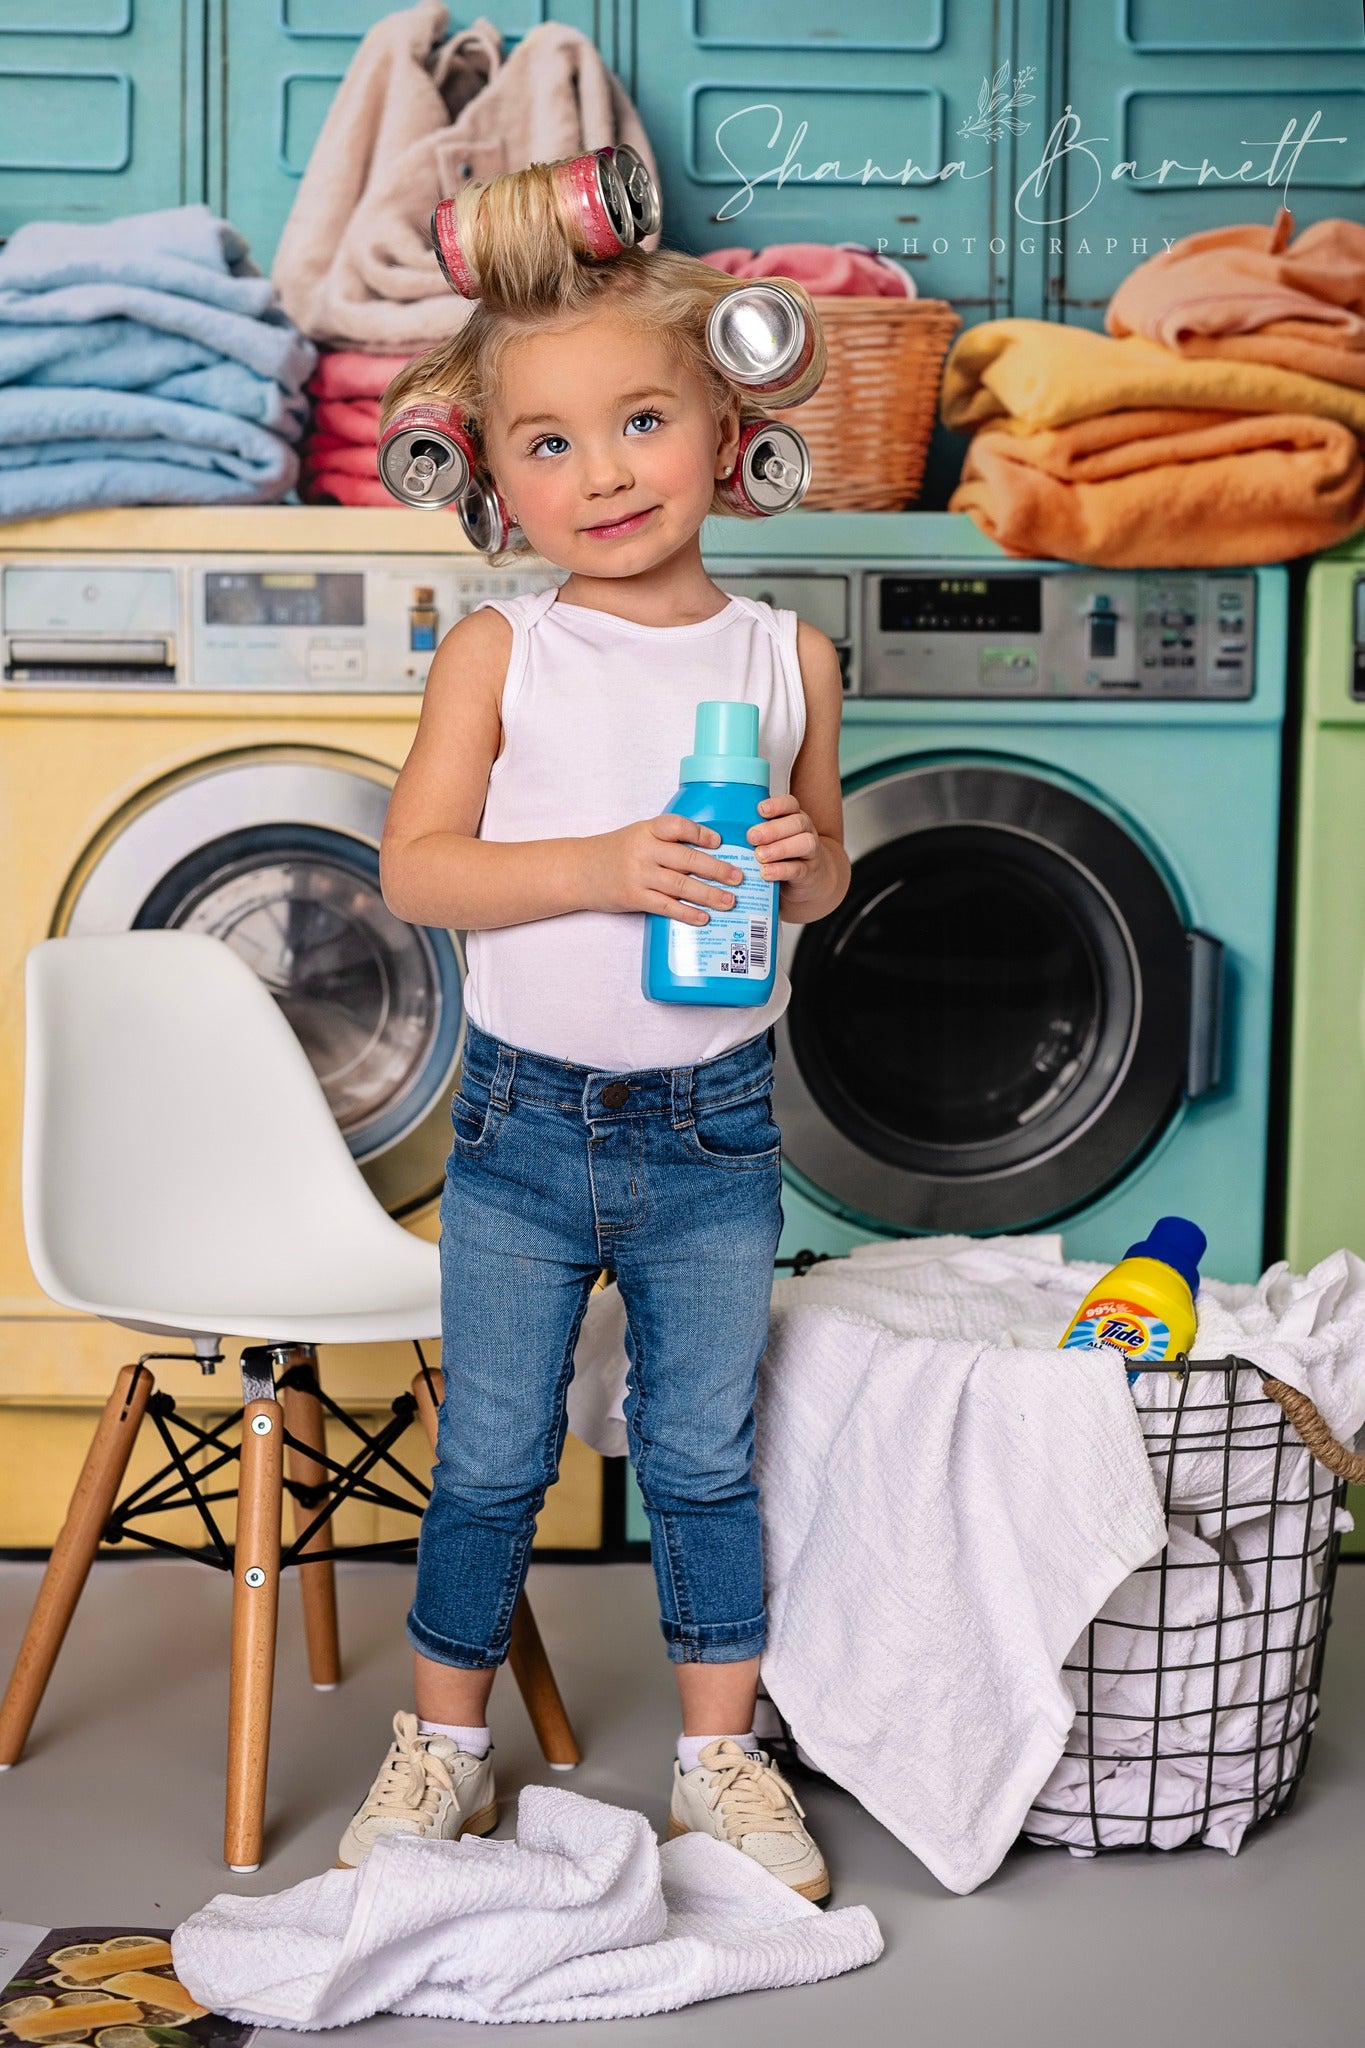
(184, 1175)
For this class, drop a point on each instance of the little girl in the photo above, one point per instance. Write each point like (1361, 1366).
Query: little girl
(592, 1127)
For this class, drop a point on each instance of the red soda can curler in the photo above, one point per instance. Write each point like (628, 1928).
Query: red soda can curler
(772, 470)
(595, 204)
(758, 336)
(426, 453)
(484, 517)
(642, 193)
(445, 240)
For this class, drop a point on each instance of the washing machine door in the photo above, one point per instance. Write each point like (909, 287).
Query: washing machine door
(276, 852)
(1001, 1017)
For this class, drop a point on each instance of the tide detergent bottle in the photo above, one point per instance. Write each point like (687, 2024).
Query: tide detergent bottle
(1143, 1308)
(732, 958)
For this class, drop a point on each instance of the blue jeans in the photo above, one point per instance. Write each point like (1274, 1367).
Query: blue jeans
(670, 1176)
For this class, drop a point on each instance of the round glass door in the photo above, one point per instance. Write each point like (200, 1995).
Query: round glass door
(993, 1023)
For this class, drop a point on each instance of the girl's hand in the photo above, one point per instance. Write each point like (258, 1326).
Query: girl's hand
(788, 847)
(651, 865)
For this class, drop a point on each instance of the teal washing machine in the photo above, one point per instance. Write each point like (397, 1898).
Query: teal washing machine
(1045, 1001)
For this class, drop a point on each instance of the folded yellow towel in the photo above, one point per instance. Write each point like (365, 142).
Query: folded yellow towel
(1038, 374)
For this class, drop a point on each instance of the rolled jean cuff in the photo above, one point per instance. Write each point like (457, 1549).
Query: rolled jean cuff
(464, 1656)
(719, 1642)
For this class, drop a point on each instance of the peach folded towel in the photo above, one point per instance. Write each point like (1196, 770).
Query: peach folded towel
(1166, 488)
(1248, 293)
(1041, 374)
(416, 116)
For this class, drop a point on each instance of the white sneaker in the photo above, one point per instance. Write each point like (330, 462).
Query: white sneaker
(426, 1786)
(741, 1797)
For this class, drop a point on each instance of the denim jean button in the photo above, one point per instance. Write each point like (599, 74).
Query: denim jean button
(616, 1094)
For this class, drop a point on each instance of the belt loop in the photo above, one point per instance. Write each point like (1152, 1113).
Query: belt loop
(503, 1078)
(681, 1082)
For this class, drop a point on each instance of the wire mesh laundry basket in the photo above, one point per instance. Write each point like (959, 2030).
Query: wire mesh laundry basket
(1196, 1687)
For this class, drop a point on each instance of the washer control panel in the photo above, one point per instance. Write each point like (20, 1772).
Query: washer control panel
(1071, 633)
(248, 623)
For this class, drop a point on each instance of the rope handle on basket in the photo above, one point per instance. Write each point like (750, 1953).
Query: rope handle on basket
(1302, 1415)
(1308, 1425)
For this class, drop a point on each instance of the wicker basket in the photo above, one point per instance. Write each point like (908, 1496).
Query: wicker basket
(868, 426)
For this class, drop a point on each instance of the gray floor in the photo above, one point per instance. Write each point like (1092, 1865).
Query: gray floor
(115, 1815)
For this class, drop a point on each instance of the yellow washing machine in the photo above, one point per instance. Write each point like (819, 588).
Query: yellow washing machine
(202, 713)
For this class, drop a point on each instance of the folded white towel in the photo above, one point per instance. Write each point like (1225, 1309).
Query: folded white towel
(583, 1916)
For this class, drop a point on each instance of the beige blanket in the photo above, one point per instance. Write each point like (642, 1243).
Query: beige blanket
(417, 114)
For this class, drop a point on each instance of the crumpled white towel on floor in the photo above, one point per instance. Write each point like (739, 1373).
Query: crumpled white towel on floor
(582, 1917)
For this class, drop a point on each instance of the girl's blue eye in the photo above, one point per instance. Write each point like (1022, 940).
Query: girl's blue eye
(647, 414)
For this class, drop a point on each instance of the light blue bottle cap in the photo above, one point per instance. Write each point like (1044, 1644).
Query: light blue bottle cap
(1177, 1243)
(725, 748)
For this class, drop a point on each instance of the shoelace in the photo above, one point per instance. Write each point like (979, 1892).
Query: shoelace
(412, 1777)
(752, 1797)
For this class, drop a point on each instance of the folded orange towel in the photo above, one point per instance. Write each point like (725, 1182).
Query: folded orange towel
(1166, 488)
(1247, 293)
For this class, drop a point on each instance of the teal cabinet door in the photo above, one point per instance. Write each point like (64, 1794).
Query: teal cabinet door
(1211, 110)
(100, 108)
(281, 65)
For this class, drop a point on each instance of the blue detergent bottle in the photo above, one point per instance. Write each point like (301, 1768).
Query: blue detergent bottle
(731, 960)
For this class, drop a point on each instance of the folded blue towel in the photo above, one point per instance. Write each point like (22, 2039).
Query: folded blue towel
(62, 449)
(125, 355)
(181, 271)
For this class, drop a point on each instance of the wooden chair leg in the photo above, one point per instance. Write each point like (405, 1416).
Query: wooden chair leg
(72, 1555)
(303, 1419)
(530, 1665)
(255, 1609)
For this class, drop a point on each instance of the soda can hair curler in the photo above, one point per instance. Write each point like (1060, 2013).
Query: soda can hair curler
(445, 240)
(771, 472)
(594, 203)
(426, 453)
(488, 527)
(642, 193)
(758, 336)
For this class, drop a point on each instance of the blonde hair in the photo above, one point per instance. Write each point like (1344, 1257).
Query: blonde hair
(522, 248)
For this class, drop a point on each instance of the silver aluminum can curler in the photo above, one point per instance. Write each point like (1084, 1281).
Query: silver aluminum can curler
(426, 454)
(595, 204)
(445, 240)
(758, 337)
(642, 193)
(772, 471)
(484, 517)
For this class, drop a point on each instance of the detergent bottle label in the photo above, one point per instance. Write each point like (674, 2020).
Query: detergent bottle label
(1115, 1325)
(736, 943)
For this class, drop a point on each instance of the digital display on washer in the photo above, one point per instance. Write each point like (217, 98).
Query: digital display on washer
(961, 604)
(283, 597)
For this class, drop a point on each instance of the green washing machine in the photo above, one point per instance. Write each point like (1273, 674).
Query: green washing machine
(1325, 1194)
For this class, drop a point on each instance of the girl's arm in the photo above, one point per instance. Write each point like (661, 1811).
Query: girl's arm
(434, 870)
(801, 844)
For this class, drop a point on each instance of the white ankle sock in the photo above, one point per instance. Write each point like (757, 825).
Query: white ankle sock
(474, 1741)
(690, 1747)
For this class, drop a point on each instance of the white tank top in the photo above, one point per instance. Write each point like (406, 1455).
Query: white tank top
(598, 712)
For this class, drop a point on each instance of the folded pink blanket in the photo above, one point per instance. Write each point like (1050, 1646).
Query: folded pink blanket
(338, 487)
(346, 419)
(827, 269)
(352, 373)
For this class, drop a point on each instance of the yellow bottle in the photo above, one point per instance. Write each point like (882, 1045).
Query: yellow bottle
(1143, 1308)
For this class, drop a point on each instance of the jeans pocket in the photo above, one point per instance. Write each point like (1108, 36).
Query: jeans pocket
(736, 1134)
(475, 1119)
